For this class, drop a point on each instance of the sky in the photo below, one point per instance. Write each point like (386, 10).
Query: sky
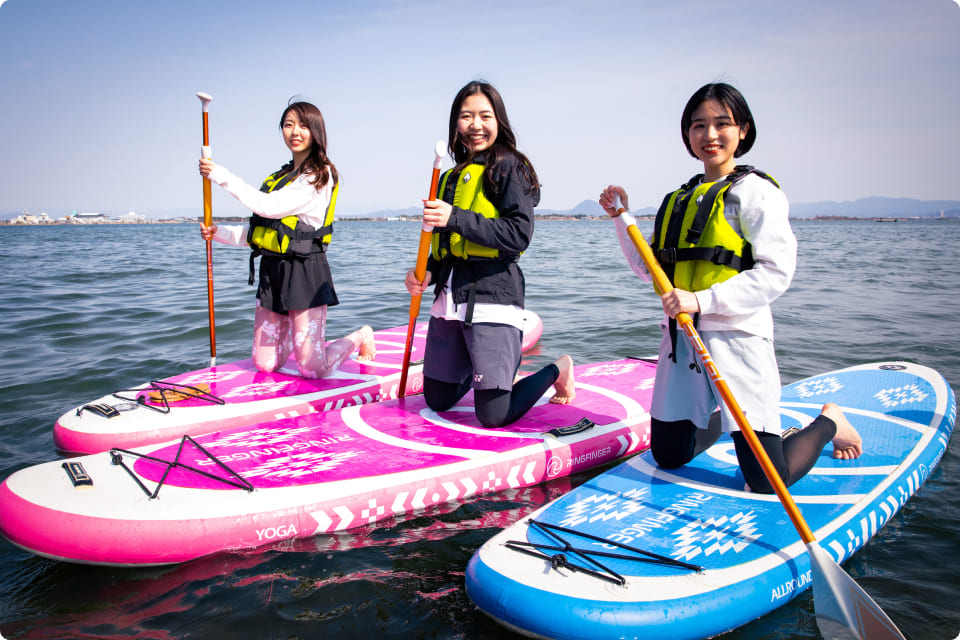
(98, 106)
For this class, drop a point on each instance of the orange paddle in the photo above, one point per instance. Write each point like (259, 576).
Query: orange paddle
(420, 270)
(205, 101)
(843, 609)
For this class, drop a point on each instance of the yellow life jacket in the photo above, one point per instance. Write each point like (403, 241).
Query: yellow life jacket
(692, 239)
(467, 194)
(289, 235)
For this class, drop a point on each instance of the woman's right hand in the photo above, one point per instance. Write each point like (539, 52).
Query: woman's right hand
(414, 286)
(206, 166)
(608, 200)
(207, 232)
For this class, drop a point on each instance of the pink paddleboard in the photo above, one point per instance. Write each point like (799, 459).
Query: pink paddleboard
(300, 476)
(138, 417)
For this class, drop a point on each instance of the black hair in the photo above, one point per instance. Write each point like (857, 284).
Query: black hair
(317, 163)
(730, 98)
(506, 142)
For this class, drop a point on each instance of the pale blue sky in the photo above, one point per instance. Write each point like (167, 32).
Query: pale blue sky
(99, 111)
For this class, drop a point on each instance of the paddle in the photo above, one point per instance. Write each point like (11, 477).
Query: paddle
(205, 101)
(843, 609)
(420, 270)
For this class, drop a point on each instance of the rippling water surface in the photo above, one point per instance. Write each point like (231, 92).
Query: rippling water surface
(88, 310)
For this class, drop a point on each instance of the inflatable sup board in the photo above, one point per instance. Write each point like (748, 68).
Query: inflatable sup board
(690, 553)
(321, 472)
(236, 394)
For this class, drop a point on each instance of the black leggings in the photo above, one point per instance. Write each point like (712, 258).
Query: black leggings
(674, 444)
(494, 407)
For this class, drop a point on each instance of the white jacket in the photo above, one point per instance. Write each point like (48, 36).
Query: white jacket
(759, 212)
(298, 198)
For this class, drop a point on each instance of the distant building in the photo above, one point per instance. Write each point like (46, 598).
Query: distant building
(28, 218)
(90, 218)
(132, 217)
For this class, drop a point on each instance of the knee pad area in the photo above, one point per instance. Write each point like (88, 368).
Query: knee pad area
(672, 443)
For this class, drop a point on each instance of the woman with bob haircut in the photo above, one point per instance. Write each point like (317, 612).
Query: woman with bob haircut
(724, 240)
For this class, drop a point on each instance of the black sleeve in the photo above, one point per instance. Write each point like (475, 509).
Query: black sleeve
(515, 199)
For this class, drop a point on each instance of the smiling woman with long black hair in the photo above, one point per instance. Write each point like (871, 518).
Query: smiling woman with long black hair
(290, 229)
(482, 219)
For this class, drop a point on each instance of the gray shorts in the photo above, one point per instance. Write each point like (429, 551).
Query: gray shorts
(488, 352)
(747, 363)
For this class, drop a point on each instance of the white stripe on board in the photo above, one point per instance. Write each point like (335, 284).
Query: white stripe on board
(351, 418)
(633, 408)
(640, 464)
(726, 453)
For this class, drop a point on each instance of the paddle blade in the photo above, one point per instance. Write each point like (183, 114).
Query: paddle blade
(843, 609)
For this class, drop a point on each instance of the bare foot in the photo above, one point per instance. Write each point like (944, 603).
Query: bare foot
(564, 385)
(847, 444)
(368, 347)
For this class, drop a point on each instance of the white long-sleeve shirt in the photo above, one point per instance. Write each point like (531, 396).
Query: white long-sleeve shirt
(759, 212)
(298, 198)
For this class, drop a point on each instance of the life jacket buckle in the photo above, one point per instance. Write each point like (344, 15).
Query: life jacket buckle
(667, 256)
(724, 256)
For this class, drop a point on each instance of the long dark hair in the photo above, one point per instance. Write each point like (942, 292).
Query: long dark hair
(317, 163)
(730, 98)
(506, 142)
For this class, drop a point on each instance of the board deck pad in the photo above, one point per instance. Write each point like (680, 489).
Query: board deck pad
(134, 418)
(315, 473)
(752, 559)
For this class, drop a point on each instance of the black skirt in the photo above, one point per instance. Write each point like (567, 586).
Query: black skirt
(294, 283)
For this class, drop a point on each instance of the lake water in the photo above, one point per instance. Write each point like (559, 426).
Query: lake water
(89, 310)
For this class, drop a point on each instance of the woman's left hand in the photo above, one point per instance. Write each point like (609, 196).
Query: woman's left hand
(436, 213)
(608, 198)
(207, 232)
(680, 301)
(414, 286)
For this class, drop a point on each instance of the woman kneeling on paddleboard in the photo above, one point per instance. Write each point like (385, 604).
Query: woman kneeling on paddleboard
(482, 219)
(725, 242)
(290, 230)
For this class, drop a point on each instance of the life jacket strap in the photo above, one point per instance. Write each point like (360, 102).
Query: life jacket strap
(672, 328)
(253, 256)
(716, 255)
(705, 207)
(471, 301)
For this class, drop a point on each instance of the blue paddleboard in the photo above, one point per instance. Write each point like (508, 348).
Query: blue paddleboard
(690, 553)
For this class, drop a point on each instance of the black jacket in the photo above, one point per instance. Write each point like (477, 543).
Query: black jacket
(498, 281)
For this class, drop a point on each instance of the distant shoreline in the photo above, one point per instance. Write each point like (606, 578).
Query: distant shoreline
(545, 218)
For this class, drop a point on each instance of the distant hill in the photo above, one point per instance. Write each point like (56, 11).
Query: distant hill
(874, 207)
(590, 208)
(586, 209)
(877, 208)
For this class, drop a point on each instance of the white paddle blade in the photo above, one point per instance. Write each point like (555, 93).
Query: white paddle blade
(843, 609)
(205, 99)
